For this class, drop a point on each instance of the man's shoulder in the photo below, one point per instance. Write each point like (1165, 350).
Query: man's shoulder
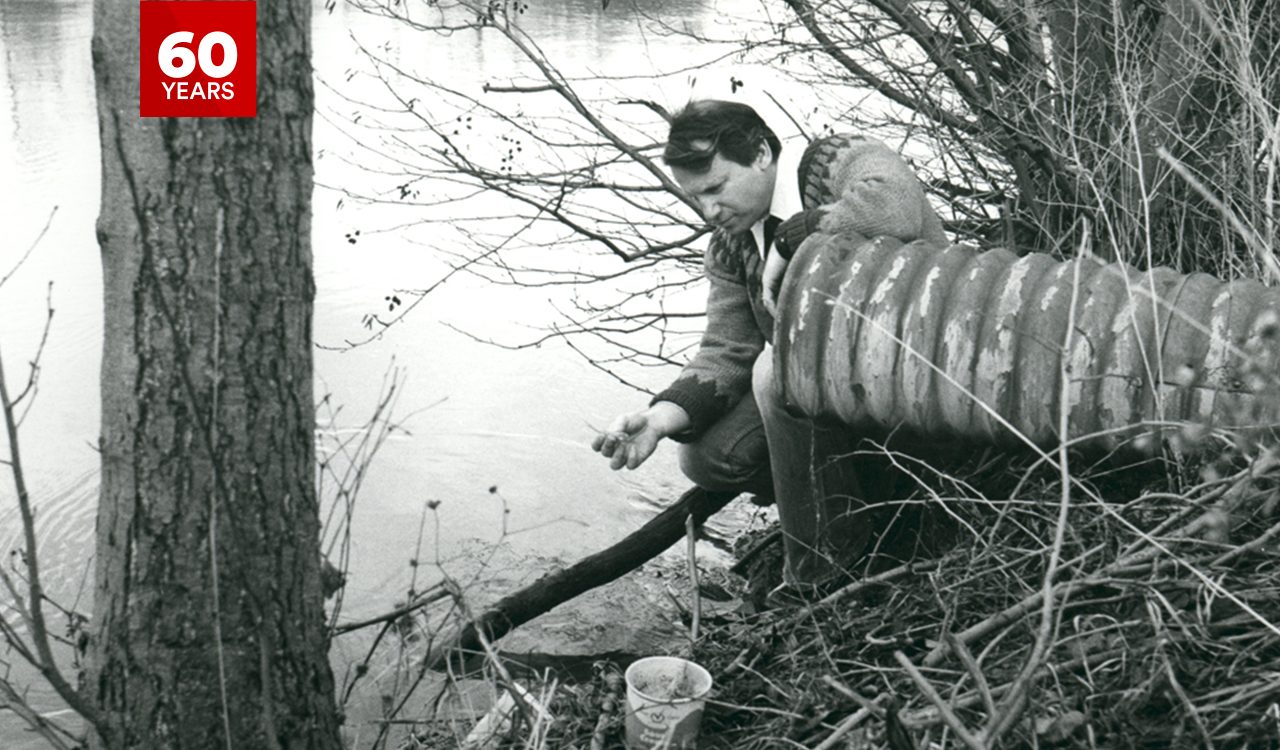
(816, 173)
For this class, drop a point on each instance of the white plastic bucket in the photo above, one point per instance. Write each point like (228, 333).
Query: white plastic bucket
(665, 697)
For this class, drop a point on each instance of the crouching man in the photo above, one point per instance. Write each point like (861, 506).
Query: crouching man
(723, 408)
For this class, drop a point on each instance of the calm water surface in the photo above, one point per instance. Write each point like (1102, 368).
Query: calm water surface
(475, 417)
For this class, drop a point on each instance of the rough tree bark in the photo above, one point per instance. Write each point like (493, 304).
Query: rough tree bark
(208, 613)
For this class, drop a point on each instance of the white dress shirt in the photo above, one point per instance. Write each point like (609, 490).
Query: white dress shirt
(786, 193)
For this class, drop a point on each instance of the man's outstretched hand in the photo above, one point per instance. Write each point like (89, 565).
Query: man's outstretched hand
(632, 438)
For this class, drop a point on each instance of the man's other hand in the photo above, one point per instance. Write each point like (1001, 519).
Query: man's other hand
(632, 438)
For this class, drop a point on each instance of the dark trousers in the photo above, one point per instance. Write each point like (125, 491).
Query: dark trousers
(809, 470)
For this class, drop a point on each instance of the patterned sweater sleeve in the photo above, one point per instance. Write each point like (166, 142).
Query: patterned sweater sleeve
(719, 375)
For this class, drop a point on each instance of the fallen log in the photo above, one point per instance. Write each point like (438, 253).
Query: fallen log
(560, 586)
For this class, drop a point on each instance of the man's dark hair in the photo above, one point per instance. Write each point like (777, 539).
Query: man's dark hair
(734, 131)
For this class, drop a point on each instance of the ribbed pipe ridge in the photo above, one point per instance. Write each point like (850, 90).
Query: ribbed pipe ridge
(949, 343)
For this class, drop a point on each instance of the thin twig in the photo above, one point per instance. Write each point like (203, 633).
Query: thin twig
(695, 593)
(50, 732)
(1263, 254)
(974, 669)
(33, 613)
(433, 594)
(48, 222)
(949, 716)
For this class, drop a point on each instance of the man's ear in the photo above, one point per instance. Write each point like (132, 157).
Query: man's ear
(764, 156)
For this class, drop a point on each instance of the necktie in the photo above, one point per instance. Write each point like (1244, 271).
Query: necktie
(770, 229)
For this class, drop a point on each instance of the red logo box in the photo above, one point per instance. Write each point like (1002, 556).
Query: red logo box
(198, 58)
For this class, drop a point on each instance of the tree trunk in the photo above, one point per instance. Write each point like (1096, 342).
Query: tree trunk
(208, 613)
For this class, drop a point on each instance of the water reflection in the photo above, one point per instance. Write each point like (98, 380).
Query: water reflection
(45, 57)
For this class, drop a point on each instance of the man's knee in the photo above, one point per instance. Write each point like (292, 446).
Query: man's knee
(763, 386)
(712, 467)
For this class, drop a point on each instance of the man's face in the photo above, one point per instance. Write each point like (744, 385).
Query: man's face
(731, 196)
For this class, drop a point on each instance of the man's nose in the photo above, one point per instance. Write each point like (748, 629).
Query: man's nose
(711, 209)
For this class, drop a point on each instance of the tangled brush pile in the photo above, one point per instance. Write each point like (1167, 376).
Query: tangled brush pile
(1117, 607)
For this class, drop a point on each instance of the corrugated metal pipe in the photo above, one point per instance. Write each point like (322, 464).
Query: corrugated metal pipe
(949, 343)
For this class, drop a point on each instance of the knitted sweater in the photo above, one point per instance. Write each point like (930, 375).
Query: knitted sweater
(864, 187)
(737, 324)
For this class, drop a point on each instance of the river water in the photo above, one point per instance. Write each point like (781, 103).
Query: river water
(498, 437)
